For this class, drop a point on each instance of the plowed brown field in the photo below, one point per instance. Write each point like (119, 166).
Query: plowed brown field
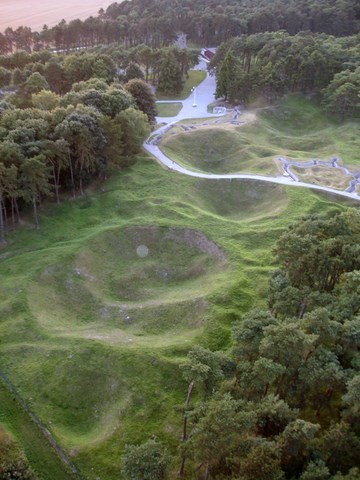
(36, 13)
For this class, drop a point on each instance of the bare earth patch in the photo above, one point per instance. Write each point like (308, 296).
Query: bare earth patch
(35, 14)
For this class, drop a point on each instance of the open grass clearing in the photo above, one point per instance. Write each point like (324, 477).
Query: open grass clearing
(195, 77)
(168, 109)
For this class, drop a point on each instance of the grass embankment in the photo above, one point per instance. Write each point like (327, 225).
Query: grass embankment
(296, 129)
(168, 109)
(195, 77)
(100, 306)
(41, 456)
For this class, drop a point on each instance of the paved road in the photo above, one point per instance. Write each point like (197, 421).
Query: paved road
(204, 96)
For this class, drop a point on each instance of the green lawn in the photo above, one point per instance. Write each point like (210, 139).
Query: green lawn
(296, 129)
(168, 109)
(195, 77)
(100, 306)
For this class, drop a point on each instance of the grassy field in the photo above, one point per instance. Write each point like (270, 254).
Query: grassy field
(195, 77)
(100, 306)
(296, 129)
(168, 109)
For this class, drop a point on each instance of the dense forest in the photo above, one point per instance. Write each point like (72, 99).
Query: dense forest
(273, 64)
(206, 22)
(66, 141)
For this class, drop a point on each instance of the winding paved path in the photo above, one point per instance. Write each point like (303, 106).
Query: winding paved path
(204, 96)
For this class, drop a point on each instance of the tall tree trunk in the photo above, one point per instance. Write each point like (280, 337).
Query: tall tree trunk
(264, 393)
(184, 432)
(12, 214)
(207, 472)
(56, 186)
(2, 231)
(17, 211)
(72, 177)
(80, 186)
(182, 464)
(81, 179)
(303, 308)
(5, 219)
(58, 182)
(280, 382)
(36, 220)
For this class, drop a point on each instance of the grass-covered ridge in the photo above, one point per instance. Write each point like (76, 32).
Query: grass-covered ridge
(98, 379)
(296, 129)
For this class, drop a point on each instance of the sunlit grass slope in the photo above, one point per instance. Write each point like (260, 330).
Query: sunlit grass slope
(296, 129)
(100, 306)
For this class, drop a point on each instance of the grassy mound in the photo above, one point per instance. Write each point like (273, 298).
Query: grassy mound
(296, 128)
(93, 328)
(221, 149)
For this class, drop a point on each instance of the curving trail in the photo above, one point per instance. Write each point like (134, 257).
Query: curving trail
(204, 96)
